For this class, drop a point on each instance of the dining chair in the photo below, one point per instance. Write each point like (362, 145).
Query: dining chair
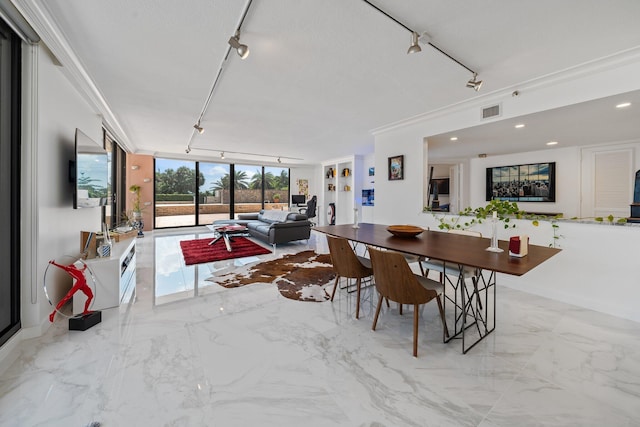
(461, 272)
(450, 269)
(347, 264)
(395, 281)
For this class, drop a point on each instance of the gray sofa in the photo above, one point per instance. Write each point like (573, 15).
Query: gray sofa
(273, 226)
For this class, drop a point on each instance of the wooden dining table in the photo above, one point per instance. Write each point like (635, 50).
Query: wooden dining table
(473, 304)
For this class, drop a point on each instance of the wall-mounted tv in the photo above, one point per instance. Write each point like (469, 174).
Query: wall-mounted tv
(441, 184)
(534, 182)
(89, 172)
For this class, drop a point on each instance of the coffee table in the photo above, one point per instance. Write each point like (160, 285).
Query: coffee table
(226, 232)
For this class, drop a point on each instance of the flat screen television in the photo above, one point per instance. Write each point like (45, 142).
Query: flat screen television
(298, 199)
(367, 197)
(442, 184)
(89, 171)
(534, 182)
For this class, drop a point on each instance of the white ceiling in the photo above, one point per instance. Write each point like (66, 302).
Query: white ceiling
(321, 74)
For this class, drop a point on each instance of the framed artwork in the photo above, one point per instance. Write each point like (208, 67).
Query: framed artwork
(372, 171)
(396, 168)
(534, 182)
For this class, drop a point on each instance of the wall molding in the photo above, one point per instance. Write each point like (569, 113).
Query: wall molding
(39, 17)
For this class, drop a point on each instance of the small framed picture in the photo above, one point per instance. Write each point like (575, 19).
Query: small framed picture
(372, 171)
(396, 168)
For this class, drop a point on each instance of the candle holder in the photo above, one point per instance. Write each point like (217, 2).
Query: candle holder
(494, 236)
(355, 218)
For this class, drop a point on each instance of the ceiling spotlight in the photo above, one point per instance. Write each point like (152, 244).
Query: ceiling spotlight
(453, 138)
(623, 105)
(188, 150)
(242, 49)
(552, 143)
(279, 161)
(414, 48)
(519, 126)
(474, 83)
(222, 155)
(199, 128)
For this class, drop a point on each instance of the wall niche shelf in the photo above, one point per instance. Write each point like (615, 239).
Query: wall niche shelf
(340, 189)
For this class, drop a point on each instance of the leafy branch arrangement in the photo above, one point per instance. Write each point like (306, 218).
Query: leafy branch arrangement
(507, 211)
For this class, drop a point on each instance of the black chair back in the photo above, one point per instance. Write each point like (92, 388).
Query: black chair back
(311, 207)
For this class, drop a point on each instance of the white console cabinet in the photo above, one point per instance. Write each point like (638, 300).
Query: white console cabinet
(115, 278)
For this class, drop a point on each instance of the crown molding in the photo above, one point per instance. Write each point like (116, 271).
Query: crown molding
(583, 70)
(40, 18)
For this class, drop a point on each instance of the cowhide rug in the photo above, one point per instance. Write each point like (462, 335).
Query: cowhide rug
(302, 276)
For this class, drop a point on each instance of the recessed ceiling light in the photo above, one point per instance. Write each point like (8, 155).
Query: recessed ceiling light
(552, 143)
(623, 105)
(519, 126)
(454, 138)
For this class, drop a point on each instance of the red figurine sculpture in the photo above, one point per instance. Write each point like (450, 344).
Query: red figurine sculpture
(80, 285)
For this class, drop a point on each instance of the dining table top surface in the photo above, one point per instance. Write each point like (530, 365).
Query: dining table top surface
(449, 247)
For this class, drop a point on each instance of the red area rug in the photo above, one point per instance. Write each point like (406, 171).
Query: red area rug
(199, 251)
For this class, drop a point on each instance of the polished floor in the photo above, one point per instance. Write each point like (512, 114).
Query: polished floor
(191, 353)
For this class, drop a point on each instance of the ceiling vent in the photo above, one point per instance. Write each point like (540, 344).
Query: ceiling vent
(489, 112)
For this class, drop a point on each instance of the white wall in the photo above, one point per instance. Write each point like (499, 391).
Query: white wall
(60, 110)
(309, 173)
(399, 202)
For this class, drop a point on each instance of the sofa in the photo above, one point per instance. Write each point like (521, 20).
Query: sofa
(274, 226)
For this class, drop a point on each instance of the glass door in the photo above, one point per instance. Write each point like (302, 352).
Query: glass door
(114, 213)
(214, 193)
(10, 87)
(248, 195)
(175, 192)
(277, 187)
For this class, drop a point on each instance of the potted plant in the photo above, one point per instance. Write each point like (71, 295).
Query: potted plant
(136, 210)
(276, 198)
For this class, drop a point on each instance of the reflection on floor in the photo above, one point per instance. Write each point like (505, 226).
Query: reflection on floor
(191, 353)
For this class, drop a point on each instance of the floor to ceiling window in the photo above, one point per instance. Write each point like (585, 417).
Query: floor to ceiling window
(114, 213)
(181, 200)
(247, 189)
(213, 193)
(175, 193)
(10, 103)
(277, 186)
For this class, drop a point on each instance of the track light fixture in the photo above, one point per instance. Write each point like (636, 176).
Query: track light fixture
(425, 39)
(222, 155)
(242, 49)
(415, 47)
(474, 83)
(188, 150)
(279, 161)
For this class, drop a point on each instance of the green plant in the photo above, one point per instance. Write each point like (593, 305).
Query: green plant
(276, 197)
(136, 207)
(505, 211)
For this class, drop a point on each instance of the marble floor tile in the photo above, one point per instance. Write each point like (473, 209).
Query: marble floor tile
(188, 352)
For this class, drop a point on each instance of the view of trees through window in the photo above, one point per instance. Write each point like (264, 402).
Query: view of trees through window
(214, 195)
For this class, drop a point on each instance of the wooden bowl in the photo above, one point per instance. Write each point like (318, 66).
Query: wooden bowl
(405, 230)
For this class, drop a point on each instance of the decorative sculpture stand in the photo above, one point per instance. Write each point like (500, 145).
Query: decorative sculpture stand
(87, 318)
